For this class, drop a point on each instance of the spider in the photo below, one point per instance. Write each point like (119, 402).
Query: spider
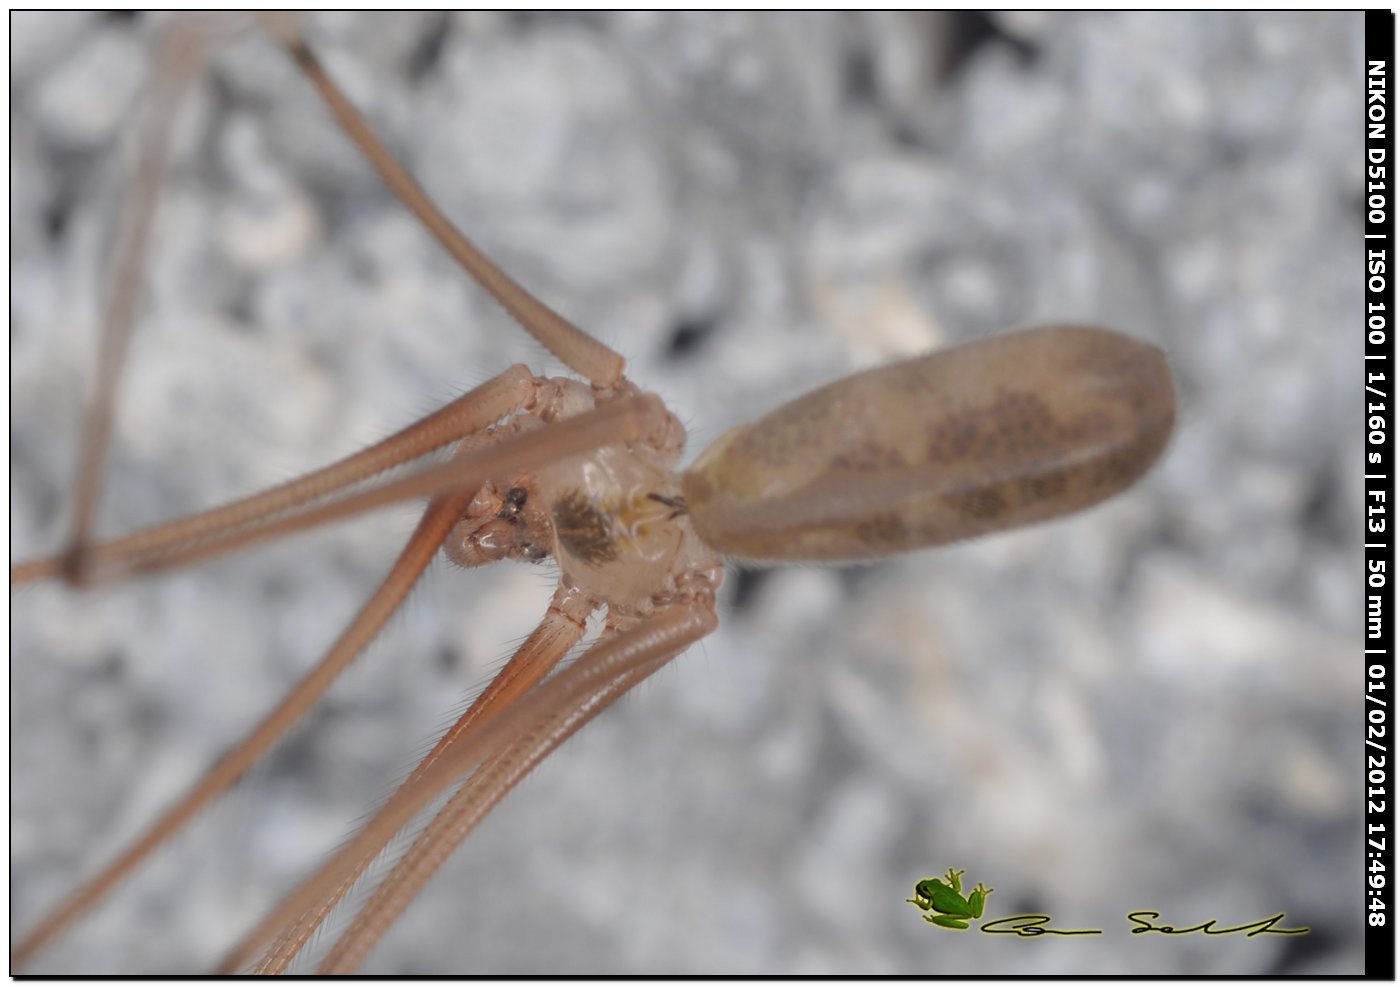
(661, 502)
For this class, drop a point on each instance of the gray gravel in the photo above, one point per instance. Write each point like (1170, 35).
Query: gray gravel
(1153, 705)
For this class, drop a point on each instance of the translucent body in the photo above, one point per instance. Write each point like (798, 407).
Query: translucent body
(996, 433)
(617, 524)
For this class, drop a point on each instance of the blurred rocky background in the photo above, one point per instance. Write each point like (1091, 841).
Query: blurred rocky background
(1154, 705)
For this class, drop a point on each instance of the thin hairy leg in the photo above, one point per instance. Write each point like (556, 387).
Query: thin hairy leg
(433, 529)
(561, 628)
(611, 424)
(577, 349)
(496, 778)
(179, 56)
(510, 391)
(541, 721)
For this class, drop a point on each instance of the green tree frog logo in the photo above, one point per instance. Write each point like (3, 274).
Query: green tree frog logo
(948, 907)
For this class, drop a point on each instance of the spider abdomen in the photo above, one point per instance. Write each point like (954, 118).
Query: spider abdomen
(978, 438)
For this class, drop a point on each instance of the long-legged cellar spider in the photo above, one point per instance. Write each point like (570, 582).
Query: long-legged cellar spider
(834, 730)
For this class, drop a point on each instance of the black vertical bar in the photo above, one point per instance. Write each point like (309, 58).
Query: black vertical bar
(1379, 396)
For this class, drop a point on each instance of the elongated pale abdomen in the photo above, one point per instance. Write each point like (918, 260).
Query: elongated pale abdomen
(985, 436)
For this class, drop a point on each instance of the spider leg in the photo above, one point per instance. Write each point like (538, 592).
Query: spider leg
(653, 643)
(561, 628)
(472, 412)
(578, 350)
(510, 745)
(614, 423)
(436, 524)
(191, 539)
(179, 55)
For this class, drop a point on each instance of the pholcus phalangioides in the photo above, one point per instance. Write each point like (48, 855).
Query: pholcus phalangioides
(622, 162)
